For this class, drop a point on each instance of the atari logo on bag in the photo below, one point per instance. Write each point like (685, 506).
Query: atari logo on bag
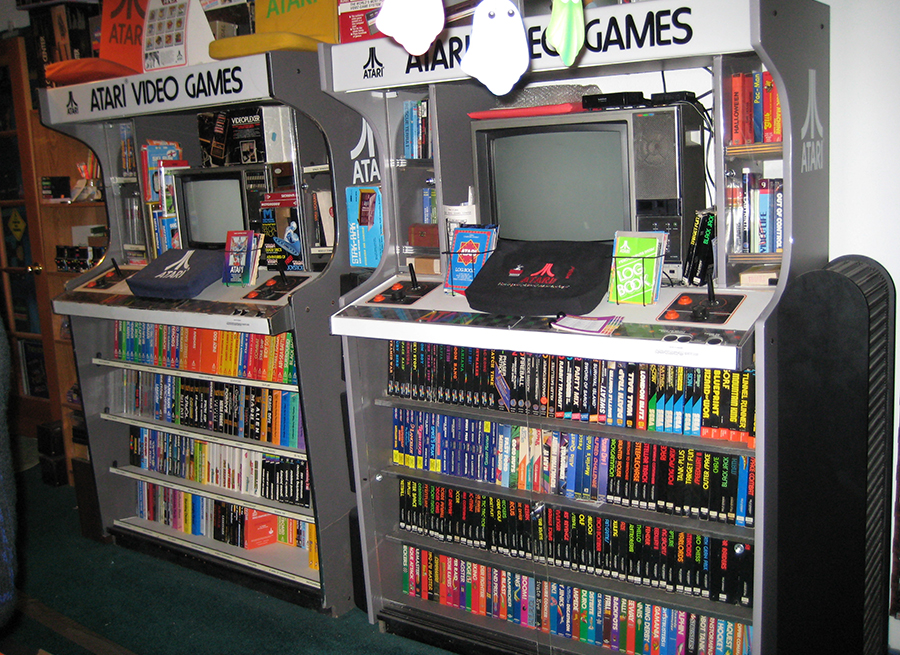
(177, 269)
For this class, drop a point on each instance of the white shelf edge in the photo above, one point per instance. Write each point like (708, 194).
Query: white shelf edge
(569, 345)
(194, 375)
(163, 317)
(258, 559)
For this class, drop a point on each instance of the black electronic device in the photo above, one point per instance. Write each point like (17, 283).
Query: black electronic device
(583, 176)
(620, 100)
(211, 201)
(668, 97)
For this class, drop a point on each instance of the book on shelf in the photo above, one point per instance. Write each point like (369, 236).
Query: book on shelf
(251, 356)
(219, 520)
(429, 205)
(755, 208)
(470, 248)
(128, 161)
(152, 153)
(416, 130)
(757, 106)
(323, 219)
(636, 271)
(166, 183)
(260, 529)
(166, 231)
(241, 257)
(772, 120)
(699, 259)
(273, 476)
(282, 231)
(754, 109)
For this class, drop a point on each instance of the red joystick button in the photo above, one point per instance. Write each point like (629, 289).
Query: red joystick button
(253, 294)
(91, 284)
(397, 287)
(685, 300)
(378, 298)
(271, 282)
(671, 315)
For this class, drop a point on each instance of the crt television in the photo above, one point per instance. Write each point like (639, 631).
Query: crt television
(583, 176)
(211, 201)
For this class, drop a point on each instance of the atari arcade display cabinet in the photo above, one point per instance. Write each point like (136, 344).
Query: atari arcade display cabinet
(664, 476)
(216, 420)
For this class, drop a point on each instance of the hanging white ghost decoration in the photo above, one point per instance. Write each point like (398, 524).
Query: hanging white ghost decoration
(414, 24)
(565, 33)
(498, 48)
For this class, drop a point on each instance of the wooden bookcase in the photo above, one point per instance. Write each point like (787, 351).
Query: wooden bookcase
(766, 336)
(324, 131)
(43, 152)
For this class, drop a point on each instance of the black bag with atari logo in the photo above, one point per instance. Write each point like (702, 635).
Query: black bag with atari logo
(542, 278)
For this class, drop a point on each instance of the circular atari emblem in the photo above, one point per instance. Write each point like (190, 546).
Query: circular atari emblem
(468, 253)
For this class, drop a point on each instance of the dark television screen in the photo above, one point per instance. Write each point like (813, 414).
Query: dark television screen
(543, 182)
(209, 206)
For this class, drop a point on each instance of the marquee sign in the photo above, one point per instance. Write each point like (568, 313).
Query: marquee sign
(659, 29)
(244, 79)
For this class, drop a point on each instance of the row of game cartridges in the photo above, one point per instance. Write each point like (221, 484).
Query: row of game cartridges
(654, 556)
(567, 611)
(658, 477)
(713, 403)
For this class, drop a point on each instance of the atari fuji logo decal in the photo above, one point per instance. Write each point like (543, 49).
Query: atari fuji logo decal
(812, 134)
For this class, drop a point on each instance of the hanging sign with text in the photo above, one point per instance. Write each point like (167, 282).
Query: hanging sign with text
(244, 79)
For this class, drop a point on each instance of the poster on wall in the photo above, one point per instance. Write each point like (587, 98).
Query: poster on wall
(175, 34)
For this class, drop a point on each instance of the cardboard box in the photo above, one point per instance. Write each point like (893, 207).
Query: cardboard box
(425, 265)
(424, 235)
(366, 226)
(222, 29)
(318, 20)
(356, 19)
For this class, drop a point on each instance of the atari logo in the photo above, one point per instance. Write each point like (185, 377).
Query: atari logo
(812, 134)
(365, 161)
(177, 269)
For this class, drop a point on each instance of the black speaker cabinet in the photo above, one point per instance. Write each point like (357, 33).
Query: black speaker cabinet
(828, 459)
(667, 196)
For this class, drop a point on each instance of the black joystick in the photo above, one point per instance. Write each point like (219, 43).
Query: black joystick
(700, 312)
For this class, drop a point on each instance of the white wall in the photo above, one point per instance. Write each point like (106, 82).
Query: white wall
(865, 97)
